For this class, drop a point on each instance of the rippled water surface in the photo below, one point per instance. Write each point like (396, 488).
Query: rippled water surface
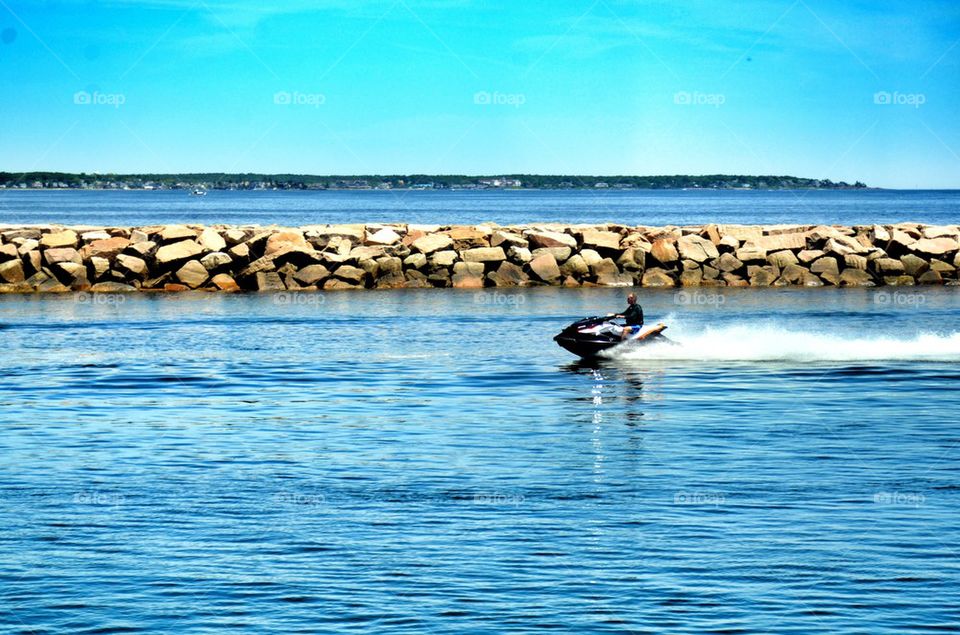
(632, 207)
(432, 462)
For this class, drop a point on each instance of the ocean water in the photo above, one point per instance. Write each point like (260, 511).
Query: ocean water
(639, 207)
(430, 461)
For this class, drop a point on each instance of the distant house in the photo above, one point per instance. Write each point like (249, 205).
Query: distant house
(601, 185)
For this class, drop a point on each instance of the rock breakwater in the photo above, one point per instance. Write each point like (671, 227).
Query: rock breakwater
(365, 256)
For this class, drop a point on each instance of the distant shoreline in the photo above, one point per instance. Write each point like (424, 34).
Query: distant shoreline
(201, 182)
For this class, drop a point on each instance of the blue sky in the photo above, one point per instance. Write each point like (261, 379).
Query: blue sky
(854, 90)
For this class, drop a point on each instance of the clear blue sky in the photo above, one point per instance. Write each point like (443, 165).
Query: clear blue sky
(442, 86)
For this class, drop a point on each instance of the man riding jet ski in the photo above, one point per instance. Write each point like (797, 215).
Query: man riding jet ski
(591, 336)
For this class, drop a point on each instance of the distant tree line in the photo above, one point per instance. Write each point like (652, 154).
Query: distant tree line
(421, 181)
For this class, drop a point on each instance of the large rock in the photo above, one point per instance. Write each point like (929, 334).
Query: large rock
(484, 254)
(211, 240)
(89, 237)
(763, 277)
(520, 255)
(178, 252)
(415, 261)
(367, 252)
(729, 263)
(600, 240)
(432, 242)
(468, 237)
(467, 281)
(632, 259)
(444, 258)
(550, 239)
(175, 233)
(888, 266)
(225, 282)
(853, 261)
(475, 268)
(511, 239)
(779, 242)
(794, 273)
(559, 253)
(312, 275)
(284, 242)
(131, 266)
(664, 251)
(193, 274)
(73, 275)
(657, 278)
(734, 280)
(350, 274)
(112, 287)
(914, 265)
(216, 260)
(827, 264)
(8, 252)
(856, 278)
(691, 278)
(268, 281)
(782, 258)
(751, 253)
(900, 242)
(575, 266)
(62, 254)
(390, 265)
(384, 236)
(99, 265)
(105, 248)
(693, 247)
(939, 231)
(65, 238)
(728, 244)
(545, 267)
(936, 246)
(841, 246)
(508, 275)
(807, 256)
(11, 271)
(930, 277)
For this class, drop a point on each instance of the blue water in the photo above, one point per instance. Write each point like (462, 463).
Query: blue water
(431, 462)
(658, 207)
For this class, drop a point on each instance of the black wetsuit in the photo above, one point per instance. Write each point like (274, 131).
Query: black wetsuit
(633, 315)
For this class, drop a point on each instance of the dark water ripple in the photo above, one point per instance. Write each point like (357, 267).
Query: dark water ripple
(426, 462)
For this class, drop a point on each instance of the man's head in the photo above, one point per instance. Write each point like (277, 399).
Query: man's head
(632, 298)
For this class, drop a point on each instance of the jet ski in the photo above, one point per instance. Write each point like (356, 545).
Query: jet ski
(593, 335)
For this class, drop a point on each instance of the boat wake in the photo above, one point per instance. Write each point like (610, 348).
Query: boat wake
(741, 342)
